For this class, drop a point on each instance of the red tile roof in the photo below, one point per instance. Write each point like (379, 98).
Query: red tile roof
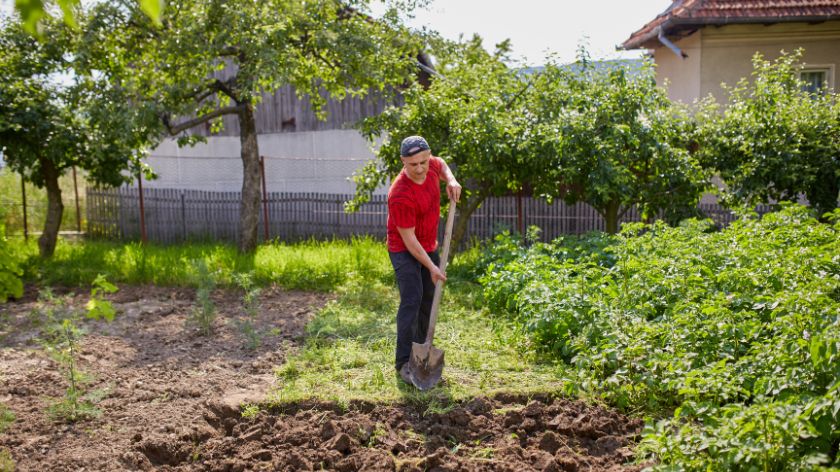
(685, 15)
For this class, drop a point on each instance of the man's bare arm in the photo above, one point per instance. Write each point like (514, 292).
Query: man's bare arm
(416, 249)
(453, 188)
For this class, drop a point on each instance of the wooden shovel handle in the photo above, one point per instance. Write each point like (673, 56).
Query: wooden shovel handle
(447, 239)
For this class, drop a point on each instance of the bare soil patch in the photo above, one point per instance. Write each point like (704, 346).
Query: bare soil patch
(172, 402)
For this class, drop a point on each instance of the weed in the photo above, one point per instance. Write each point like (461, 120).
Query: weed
(6, 417)
(251, 305)
(484, 453)
(250, 411)
(60, 340)
(204, 312)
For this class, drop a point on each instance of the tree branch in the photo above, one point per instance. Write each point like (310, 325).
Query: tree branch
(173, 130)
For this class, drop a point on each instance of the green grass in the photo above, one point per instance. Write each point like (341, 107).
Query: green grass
(349, 352)
(312, 265)
(11, 200)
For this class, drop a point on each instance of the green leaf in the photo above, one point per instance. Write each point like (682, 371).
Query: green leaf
(98, 309)
(31, 12)
(152, 9)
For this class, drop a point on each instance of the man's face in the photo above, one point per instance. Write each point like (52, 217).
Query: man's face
(417, 165)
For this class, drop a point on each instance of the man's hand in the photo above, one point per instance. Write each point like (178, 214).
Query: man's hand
(453, 190)
(437, 275)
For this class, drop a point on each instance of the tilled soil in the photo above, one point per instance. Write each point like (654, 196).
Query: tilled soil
(172, 401)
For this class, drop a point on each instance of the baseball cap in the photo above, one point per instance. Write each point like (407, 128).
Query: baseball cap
(412, 145)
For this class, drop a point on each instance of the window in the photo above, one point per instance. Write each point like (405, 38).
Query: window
(816, 80)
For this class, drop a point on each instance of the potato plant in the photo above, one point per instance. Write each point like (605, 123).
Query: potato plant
(737, 332)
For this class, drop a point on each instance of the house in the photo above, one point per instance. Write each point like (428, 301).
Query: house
(699, 44)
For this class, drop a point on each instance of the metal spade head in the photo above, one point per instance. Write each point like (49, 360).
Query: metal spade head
(425, 365)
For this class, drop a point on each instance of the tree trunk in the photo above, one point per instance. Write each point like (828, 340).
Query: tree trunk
(46, 243)
(462, 220)
(610, 215)
(249, 208)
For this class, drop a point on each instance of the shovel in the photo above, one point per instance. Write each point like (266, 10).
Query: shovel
(425, 366)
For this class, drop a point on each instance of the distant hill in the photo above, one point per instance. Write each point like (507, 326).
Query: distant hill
(632, 65)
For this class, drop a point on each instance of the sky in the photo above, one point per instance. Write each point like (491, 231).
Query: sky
(535, 27)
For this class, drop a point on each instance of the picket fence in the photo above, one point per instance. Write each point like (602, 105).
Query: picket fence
(176, 215)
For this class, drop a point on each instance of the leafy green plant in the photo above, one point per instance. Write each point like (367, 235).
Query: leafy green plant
(737, 331)
(251, 305)
(10, 270)
(61, 340)
(203, 314)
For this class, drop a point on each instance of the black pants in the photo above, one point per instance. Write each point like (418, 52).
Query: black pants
(416, 294)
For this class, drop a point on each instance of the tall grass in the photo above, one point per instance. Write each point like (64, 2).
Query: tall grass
(11, 200)
(311, 265)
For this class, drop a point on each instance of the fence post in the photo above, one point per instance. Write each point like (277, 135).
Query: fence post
(183, 217)
(142, 210)
(264, 197)
(23, 194)
(76, 193)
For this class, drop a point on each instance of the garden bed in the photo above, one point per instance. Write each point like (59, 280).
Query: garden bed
(174, 400)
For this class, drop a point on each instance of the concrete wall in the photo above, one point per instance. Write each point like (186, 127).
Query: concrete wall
(724, 55)
(312, 161)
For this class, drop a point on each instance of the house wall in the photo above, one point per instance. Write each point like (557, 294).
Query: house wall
(312, 161)
(680, 76)
(723, 54)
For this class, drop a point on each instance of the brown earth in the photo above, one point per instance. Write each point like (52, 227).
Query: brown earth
(172, 401)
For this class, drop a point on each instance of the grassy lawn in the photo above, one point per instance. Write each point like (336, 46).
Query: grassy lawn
(349, 352)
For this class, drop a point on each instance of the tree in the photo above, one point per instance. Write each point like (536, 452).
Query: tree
(609, 137)
(472, 115)
(774, 140)
(52, 119)
(211, 58)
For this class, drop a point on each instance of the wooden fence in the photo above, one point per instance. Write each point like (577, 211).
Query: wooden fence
(175, 215)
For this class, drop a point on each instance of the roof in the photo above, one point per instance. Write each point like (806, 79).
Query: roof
(685, 16)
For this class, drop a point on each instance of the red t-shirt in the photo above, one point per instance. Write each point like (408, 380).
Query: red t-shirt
(415, 205)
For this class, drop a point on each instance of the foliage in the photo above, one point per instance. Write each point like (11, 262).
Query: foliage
(208, 59)
(251, 305)
(60, 339)
(10, 266)
(737, 330)
(33, 13)
(472, 116)
(204, 313)
(774, 140)
(53, 117)
(611, 138)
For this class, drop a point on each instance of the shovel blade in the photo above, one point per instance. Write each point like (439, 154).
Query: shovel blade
(425, 365)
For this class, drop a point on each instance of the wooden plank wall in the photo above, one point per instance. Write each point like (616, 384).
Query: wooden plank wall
(283, 111)
(175, 215)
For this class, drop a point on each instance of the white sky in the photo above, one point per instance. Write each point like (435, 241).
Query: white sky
(535, 26)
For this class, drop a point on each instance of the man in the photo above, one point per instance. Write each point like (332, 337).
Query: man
(413, 215)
